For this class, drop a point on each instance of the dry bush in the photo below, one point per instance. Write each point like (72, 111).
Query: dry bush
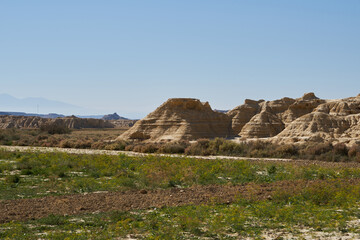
(136, 148)
(41, 137)
(46, 144)
(178, 147)
(286, 151)
(149, 148)
(118, 145)
(230, 148)
(317, 149)
(198, 148)
(354, 150)
(65, 144)
(130, 147)
(99, 145)
(82, 144)
(340, 149)
(53, 128)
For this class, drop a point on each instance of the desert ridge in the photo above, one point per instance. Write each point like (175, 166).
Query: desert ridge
(287, 120)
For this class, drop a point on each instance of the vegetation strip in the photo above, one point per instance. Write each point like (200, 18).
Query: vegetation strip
(23, 209)
(137, 154)
(128, 153)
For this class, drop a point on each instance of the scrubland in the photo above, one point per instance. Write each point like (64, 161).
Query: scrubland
(104, 139)
(300, 199)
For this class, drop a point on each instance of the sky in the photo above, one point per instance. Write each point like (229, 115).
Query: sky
(131, 56)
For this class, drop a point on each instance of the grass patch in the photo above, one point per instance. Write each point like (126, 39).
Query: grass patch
(27, 175)
(328, 208)
(245, 218)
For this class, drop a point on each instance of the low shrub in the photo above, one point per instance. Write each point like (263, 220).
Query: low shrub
(54, 220)
(53, 128)
(130, 147)
(11, 179)
(200, 147)
(148, 148)
(287, 150)
(354, 150)
(178, 147)
(317, 149)
(65, 144)
(340, 149)
(118, 145)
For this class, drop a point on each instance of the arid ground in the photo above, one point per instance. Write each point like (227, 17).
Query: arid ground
(51, 193)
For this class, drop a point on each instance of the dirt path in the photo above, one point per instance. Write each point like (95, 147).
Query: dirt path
(136, 154)
(24, 209)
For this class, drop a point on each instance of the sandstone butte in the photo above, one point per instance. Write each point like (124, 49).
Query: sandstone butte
(180, 119)
(286, 120)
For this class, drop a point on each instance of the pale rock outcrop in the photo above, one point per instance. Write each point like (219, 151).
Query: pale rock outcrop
(333, 120)
(264, 124)
(7, 122)
(243, 113)
(317, 122)
(180, 119)
(78, 123)
(301, 106)
(286, 120)
(36, 122)
(268, 118)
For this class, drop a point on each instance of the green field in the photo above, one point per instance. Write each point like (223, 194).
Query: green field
(325, 205)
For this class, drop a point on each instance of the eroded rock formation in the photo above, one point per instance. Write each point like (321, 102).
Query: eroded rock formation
(296, 120)
(285, 120)
(180, 119)
(268, 118)
(37, 122)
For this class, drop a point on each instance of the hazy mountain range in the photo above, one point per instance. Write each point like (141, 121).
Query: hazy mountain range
(37, 105)
(41, 107)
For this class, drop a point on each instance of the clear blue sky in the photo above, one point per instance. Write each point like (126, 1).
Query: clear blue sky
(130, 56)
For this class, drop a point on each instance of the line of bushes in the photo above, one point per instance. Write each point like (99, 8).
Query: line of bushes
(218, 146)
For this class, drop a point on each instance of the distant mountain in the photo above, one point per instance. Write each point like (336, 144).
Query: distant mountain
(90, 116)
(9, 103)
(221, 111)
(42, 107)
(113, 116)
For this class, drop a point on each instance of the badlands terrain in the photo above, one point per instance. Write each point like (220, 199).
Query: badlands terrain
(286, 120)
(236, 175)
(72, 122)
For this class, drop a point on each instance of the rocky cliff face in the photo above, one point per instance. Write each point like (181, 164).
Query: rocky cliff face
(37, 122)
(180, 119)
(337, 120)
(268, 118)
(303, 119)
(21, 122)
(285, 120)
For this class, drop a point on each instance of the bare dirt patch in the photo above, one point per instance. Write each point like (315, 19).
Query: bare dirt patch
(24, 209)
